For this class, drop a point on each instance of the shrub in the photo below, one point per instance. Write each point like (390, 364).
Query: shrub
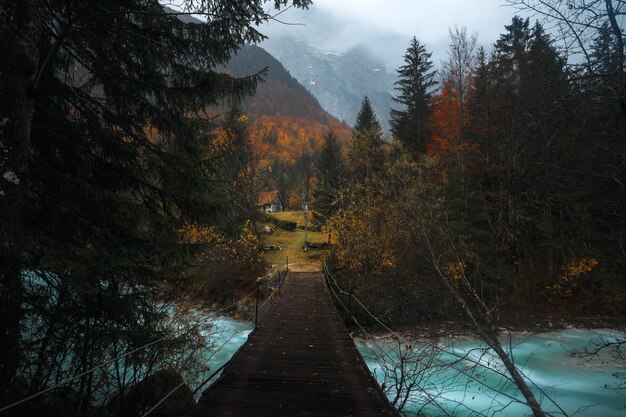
(283, 224)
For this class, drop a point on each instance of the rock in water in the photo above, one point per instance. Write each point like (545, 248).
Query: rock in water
(139, 398)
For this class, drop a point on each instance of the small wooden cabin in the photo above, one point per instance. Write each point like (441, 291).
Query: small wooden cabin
(270, 201)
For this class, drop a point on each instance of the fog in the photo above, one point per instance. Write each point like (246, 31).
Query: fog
(385, 27)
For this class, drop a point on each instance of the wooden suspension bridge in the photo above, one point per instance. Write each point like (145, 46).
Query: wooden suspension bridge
(299, 361)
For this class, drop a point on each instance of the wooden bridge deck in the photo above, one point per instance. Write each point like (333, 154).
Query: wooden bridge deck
(300, 361)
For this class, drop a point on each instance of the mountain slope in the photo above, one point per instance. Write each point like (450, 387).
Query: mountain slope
(338, 81)
(287, 124)
(280, 94)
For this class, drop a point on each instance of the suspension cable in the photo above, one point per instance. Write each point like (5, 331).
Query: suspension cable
(460, 357)
(274, 291)
(109, 362)
(169, 394)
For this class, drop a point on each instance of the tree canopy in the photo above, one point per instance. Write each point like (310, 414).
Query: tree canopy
(365, 154)
(111, 172)
(409, 123)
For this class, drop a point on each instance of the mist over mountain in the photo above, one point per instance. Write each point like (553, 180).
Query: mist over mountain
(339, 81)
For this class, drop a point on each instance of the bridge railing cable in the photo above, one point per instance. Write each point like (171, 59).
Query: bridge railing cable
(402, 339)
(66, 381)
(331, 286)
(206, 381)
(255, 315)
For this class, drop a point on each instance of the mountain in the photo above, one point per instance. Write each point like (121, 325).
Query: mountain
(338, 81)
(281, 101)
(279, 94)
(287, 124)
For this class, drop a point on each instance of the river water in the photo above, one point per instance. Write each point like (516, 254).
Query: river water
(580, 387)
(227, 335)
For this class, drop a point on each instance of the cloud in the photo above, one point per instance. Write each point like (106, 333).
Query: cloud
(385, 27)
(427, 19)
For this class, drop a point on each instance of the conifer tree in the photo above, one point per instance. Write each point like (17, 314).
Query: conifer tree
(409, 124)
(604, 66)
(330, 177)
(366, 118)
(366, 156)
(102, 163)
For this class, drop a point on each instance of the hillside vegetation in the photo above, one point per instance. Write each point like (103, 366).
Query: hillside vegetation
(286, 124)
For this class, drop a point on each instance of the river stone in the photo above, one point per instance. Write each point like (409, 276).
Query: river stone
(141, 397)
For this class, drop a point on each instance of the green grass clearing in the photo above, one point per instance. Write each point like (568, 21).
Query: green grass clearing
(291, 243)
(294, 216)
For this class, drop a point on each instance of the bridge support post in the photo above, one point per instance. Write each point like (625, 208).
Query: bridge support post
(350, 309)
(256, 309)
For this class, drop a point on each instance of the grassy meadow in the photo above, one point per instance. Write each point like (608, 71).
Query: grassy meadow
(292, 243)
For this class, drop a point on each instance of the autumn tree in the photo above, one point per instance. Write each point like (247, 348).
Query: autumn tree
(371, 253)
(409, 123)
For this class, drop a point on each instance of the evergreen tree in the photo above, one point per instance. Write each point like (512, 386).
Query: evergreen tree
(516, 113)
(366, 118)
(102, 164)
(365, 155)
(330, 177)
(510, 50)
(604, 68)
(579, 22)
(409, 124)
(238, 198)
(482, 104)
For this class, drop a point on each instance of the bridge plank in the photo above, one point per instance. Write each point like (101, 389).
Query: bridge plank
(300, 361)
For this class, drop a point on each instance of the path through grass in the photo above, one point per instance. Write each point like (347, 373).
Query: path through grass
(292, 243)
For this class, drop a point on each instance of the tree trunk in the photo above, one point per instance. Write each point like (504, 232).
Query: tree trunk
(486, 333)
(492, 341)
(17, 69)
(617, 31)
(531, 401)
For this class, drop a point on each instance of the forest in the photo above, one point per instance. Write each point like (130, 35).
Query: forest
(132, 158)
(504, 181)
(497, 205)
(120, 197)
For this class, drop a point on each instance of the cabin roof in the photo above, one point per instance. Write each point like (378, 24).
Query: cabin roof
(268, 197)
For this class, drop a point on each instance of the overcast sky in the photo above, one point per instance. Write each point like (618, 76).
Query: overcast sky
(386, 26)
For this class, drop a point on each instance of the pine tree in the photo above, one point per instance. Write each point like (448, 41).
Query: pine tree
(330, 177)
(604, 68)
(365, 155)
(366, 118)
(409, 124)
(102, 163)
